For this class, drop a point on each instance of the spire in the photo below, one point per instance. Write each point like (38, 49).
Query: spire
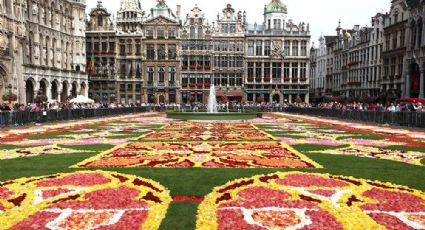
(130, 5)
(99, 4)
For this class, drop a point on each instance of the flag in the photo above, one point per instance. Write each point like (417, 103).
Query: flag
(92, 67)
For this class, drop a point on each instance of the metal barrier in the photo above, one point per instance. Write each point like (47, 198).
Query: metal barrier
(22, 118)
(407, 119)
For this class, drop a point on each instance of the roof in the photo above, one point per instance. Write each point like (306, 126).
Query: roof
(275, 6)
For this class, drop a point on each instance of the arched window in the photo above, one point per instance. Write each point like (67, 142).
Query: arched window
(420, 30)
(414, 34)
(192, 32)
(200, 32)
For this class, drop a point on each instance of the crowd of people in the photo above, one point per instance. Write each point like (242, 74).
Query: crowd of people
(240, 106)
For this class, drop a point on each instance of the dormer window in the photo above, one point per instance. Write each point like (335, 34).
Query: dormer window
(99, 20)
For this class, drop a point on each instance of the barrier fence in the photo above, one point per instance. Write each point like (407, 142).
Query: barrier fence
(22, 118)
(407, 119)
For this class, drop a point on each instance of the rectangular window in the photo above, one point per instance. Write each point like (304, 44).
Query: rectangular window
(303, 71)
(267, 72)
(172, 52)
(149, 33)
(150, 51)
(276, 70)
(304, 48)
(122, 50)
(258, 68)
(294, 71)
(250, 48)
(161, 74)
(267, 49)
(171, 34)
(104, 46)
(150, 75)
(259, 48)
(250, 71)
(286, 68)
(161, 52)
(111, 46)
(295, 48)
(287, 48)
(160, 34)
(138, 49)
(129, 48)
(172, 74)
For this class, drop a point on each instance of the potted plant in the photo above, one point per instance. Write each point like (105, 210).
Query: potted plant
(9, 96)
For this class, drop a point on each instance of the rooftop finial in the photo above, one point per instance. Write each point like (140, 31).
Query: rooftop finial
(99, 4)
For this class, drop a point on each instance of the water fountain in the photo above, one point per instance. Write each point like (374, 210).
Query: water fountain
(212, 112)
(212, 100)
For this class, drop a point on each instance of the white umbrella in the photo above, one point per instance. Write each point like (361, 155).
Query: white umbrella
(80, 99)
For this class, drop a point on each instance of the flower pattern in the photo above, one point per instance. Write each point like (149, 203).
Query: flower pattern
(82, 200)
(296, 200)
(202, 154)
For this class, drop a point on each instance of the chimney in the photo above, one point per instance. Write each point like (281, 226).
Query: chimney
(178, 11)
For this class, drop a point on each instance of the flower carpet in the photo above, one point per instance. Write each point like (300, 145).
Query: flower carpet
(192, 131)
(343, 141)
(82, 200)
(211, 175)
(202, 154)
(311, 201)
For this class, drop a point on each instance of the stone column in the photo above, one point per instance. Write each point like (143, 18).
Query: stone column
(408, 85)
(421, 89)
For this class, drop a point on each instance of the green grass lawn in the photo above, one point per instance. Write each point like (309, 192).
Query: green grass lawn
(199, 182)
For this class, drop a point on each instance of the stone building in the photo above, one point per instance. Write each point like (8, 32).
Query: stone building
(161, 45)
(45, 48)
(100, 45)
(277, 58)
(129, 53)
(415, 55)
(196, 56)
(393, 79)
(228, 54)
(318, 58)
(12, 40)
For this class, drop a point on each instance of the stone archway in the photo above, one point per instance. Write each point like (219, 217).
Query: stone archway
(74, 90)
(64, 93)
(3, 77)
(276, 97)
(162, 99)
(415, 80)
(44, 86)
(83, 89)
(29, 91)
(54, 90)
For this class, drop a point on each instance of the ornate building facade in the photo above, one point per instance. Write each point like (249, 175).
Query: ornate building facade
(129, 53)
(12, 40)
(161, 64)
(228, 54)
(196, 57)
(394, 82)
(415, 56)
(277, 58)
(54, 54)
(101, 47)
(44, 49)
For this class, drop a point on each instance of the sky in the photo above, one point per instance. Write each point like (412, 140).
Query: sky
(322, 15)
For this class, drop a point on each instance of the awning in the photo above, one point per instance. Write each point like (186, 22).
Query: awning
(258, 92)
(229, 94)
(294, 92)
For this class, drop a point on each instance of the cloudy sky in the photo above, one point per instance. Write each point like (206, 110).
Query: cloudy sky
(322, 15)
